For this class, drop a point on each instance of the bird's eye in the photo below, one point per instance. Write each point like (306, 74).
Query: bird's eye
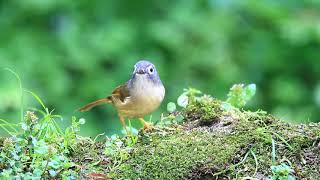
(151, 70)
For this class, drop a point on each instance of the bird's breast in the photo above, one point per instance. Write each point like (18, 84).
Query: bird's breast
(145, 97)
(148, 97)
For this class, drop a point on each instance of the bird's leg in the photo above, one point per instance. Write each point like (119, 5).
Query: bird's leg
(122, 120)
(146, 125)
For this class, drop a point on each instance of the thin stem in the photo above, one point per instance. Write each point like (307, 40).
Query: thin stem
(256, 161)
(273, 152)
(233, 166)
(282, 139)
(21, 92)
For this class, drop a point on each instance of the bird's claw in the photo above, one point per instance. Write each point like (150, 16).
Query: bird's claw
(148, 126)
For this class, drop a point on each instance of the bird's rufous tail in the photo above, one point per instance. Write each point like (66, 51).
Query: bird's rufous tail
(95, 103)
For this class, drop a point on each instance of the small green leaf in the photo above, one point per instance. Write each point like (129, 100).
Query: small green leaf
(226, 106)
(251, 89)
(290, 177)
(6, 173)
(114, 137)
(179, 118)
(171, 107)
(183, 100)
(52, 173)
(40, 147)
(36, 173)
(82, 121)
(24, 126)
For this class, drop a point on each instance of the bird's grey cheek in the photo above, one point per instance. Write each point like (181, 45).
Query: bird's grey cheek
(133, 76)
(152, 78)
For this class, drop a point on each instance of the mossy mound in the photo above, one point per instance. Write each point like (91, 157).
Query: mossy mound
(213, 143)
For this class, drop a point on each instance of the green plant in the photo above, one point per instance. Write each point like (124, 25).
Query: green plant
(239, 94)
(192, 98)
(70, 134)
(282, 172)
(188, 96)
(37, 147)
(173, 116)
(119, 149)
(170, 119)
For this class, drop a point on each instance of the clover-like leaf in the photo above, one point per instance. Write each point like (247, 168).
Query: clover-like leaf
(171, 107)
(40, 147)
(250, 91)
(82, 121)
(183, 100)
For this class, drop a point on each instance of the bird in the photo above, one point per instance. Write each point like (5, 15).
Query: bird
(139, 96)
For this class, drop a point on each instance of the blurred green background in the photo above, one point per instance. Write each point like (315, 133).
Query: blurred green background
(73, 52)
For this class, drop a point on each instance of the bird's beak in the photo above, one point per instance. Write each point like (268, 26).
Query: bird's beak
(140, 71)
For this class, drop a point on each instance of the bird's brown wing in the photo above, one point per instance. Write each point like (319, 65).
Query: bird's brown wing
(121, 92)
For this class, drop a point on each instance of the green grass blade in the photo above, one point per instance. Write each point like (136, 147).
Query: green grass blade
(4, 128)
(6, 123)
(39, 111)
(283, 140)
(37, 98)
(57, 127)
(21, 91)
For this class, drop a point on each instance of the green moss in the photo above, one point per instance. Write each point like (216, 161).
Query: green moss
(207, 110)
(211, 144)
(176, 155)
(234, 144)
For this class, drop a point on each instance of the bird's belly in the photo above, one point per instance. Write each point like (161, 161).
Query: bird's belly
(139, 107)
(142, 103)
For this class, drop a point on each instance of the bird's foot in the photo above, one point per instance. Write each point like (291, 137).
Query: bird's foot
(148, 126)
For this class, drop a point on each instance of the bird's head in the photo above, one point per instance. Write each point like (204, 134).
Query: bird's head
(146, 71)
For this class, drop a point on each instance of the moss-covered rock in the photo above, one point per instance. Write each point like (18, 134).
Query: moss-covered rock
(212, 143)
(230, 144)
